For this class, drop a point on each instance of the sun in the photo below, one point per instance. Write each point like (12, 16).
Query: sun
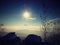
(26, 15)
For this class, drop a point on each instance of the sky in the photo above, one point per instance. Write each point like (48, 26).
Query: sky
(11, 11)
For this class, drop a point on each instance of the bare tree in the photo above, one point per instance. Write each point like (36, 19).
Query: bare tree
(43, 19)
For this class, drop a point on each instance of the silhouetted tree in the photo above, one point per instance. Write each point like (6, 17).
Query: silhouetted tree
(10, 39)
(1, 25)
(32, 40)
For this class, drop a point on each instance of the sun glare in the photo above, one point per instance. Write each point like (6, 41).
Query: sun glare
(26, 15)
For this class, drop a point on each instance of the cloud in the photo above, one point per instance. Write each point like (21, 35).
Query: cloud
(28, 19)
(15, 28)
(32, 18)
